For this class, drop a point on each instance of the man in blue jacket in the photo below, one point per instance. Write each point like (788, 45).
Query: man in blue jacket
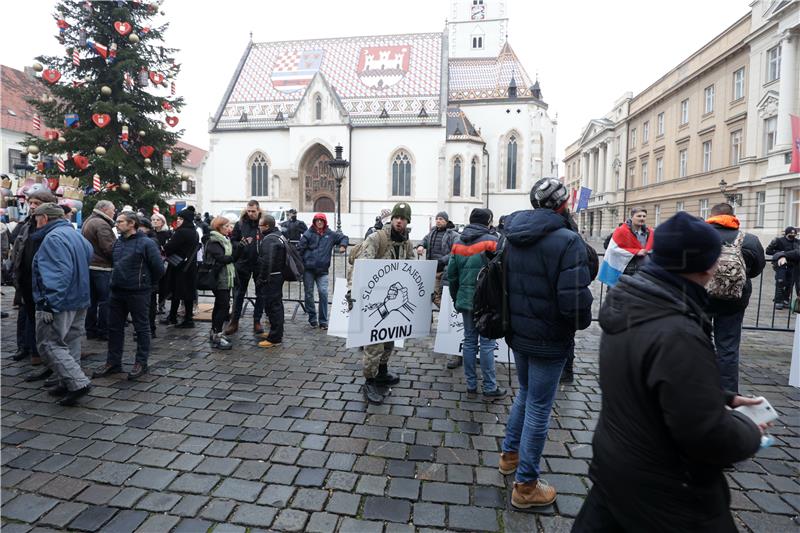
(548, 297)
(315, 246)
(61, 295)
(137, 267)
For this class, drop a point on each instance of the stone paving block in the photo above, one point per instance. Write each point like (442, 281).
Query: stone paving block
(343, 503)
(341, 481)
(386, 509)
(404, 488)
(97, 494)
(445, 493)
(311, 477)
(767, 523)
(290, 520)
(112, 473)
(429, 514)
(27, 507)
(62, 514)
(276, 495)
(239, 489)
(158, 522)
(371, 485)
(126, 521)
(352, 525)
(186, 462)
(127, 497)
(217, 465)
(55, 463)
(189, 505)
(770, 503)
(310, 499)
(568, 466)
(322, 523)
(152, 478)
(281, 474)
(489, 497)
(64, 488)
(152, 457)
(567, 505)
(285, 454)
(254, 515)
(218, 510)
(93, 518)
(194, 483)
(159, 502)
(192, 525)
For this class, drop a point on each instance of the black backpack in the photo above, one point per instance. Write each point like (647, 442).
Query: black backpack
(293, 268)
(490, 301)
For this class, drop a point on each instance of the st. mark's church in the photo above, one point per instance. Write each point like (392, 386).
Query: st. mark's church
(446, 121)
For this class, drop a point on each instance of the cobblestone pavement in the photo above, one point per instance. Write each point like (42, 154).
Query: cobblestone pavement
(254, 439)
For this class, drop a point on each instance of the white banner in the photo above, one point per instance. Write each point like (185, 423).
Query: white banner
(340, 313)
(450, 333)
(392, 301)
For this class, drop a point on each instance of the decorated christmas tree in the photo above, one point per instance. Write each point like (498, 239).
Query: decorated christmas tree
(110, 127)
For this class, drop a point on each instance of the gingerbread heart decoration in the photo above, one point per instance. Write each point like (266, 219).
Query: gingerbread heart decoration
(51, 135)
(51, 75)
(166, 105)
(123, 28)
(81, 161)
(101, 120)
(156, 77)
(146, 151)
(172, 121)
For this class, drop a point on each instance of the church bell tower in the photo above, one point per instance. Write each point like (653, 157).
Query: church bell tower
(477, 28)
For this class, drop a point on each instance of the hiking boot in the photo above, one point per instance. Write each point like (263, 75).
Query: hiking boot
(220, 342)
(268, 344)
(233, 327)
(455, 362)
(313, 324)
(58, 391)
(508, 462)
(44, 374)
(532, 494)
(779, 306)
(137, 371)
(72, 397)
(20, 355)
(385, 377)
(186, 324)
(258, 329)
(496, 394)
(371, 392)
(106, 370)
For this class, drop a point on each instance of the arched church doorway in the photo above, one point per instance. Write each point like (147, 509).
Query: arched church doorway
(318, 186)
(324, 204)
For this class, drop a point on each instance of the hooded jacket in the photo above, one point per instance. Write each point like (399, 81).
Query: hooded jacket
(271, 257)
(315, 248)
(98, 229)
(466, 261)
(784, 247)
(438, 243)
(184, 241)
(137, 263)
(664, 434)
(293, 228)
(548, 282)
(243, 229)
(60, 268)
(754, 262)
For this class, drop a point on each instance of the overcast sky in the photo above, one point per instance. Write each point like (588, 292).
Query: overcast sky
(587, 53)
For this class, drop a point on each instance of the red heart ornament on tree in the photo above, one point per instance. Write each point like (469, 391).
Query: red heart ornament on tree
(156, 77)
(123, 28)
(146, 151)
(172, 121)
(146, 29)
(81, 161)
(101, 120)
(51, 135)
(51, 75)
(52, 183)
(166, 105)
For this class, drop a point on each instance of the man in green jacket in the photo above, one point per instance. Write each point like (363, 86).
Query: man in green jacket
(466, 261)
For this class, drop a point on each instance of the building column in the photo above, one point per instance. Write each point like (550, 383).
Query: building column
(602, 155)
(788, 90)
(584, 170)
(610, 185)
(592, 168)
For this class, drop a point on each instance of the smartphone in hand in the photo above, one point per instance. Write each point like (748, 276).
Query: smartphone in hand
(761, 413)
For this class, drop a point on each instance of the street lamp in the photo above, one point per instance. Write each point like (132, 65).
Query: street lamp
(338, 167)
(730, 198)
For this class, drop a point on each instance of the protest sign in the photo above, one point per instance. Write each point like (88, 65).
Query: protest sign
(340, 314)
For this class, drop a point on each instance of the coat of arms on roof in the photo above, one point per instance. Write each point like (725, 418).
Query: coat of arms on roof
(294, 69)
(380, 67)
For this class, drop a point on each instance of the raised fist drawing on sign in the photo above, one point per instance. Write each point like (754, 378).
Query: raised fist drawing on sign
(396, 300)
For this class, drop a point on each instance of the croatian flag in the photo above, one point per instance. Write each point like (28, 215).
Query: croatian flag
(621, 249)
(294, 69)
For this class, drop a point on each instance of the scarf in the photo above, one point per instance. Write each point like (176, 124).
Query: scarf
(726, 221)
(228, 248)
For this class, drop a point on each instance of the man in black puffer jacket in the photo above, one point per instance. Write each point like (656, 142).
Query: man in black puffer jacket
(246, 231)
(269, 282)
(664, 433)
(785, 252)
(548, 299)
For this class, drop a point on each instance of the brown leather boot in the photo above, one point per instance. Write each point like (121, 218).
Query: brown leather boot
(508, 462)
(258, 329)
(232, 327)
(532, 494)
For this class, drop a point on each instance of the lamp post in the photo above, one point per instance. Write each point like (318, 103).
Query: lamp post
(338, 167)
(729, 198)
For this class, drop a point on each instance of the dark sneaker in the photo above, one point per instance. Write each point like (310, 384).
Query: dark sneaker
(313, 324)
(496, 394)
(72, 397)
(20, 355)
(323, 326)
(106, 370)
(44, 374)
(51, 382)
(137, 371)
(371, 392)
(58, 391)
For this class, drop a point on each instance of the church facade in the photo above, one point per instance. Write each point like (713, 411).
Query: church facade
(445, 121)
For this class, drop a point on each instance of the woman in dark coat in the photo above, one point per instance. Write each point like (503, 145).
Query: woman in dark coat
(163, 234)
(183, 244)
(221, 253)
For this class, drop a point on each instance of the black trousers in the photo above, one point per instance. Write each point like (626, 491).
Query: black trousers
(272, 294)
(119, 305)
(222, 301)
(153, 306)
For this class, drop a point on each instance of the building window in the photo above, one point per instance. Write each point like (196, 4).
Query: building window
(259, 175)
(318, 108)
(773, 63)
(401, 175)
(457, 177)
(477, 43)
(659, 169)
(736, 147)
(770, 132)
(794, 207)
(511, 163)
(632, 175)
(761, 205)
(708, 93)
(633, 137)
(645, 132)
(738, 84)
(679, 206)
(657, 220)
(704, 210)
(473, 177)
(706, 156)
(683, 157)
(684, 112)
(660, 124)
(644, 173)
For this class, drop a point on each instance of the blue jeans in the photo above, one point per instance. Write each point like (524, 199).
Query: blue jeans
(470, 350)
(97, 314)
(309, 278)
(526, 430)
(727, 336)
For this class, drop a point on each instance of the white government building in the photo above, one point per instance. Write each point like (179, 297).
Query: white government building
(445, 121)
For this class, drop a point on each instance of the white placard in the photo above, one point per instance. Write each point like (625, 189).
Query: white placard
(450, 333)
(340, 313)
(794, 368)
(392, 301)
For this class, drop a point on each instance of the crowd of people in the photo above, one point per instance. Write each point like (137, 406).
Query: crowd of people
(669, 351)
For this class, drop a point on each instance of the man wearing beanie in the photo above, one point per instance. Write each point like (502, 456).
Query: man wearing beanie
(391, 242)
(785, 252)
(462, 272)
(727, 304)
(665, 433)
(548, 300)
(61, 295)
(436, 246)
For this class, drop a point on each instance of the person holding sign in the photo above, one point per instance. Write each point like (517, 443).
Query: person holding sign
(391, 242)
(462, 272)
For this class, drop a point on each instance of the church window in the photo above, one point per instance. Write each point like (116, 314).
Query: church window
(318, 108)
(401, 175)
(473, 177)
(259, 175)
(457, 177)
(511, 163)
(477, 43)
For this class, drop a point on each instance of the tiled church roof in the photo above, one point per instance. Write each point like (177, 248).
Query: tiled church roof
(459, 127)
(398, 73)
(16, 113)
(487, 78)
